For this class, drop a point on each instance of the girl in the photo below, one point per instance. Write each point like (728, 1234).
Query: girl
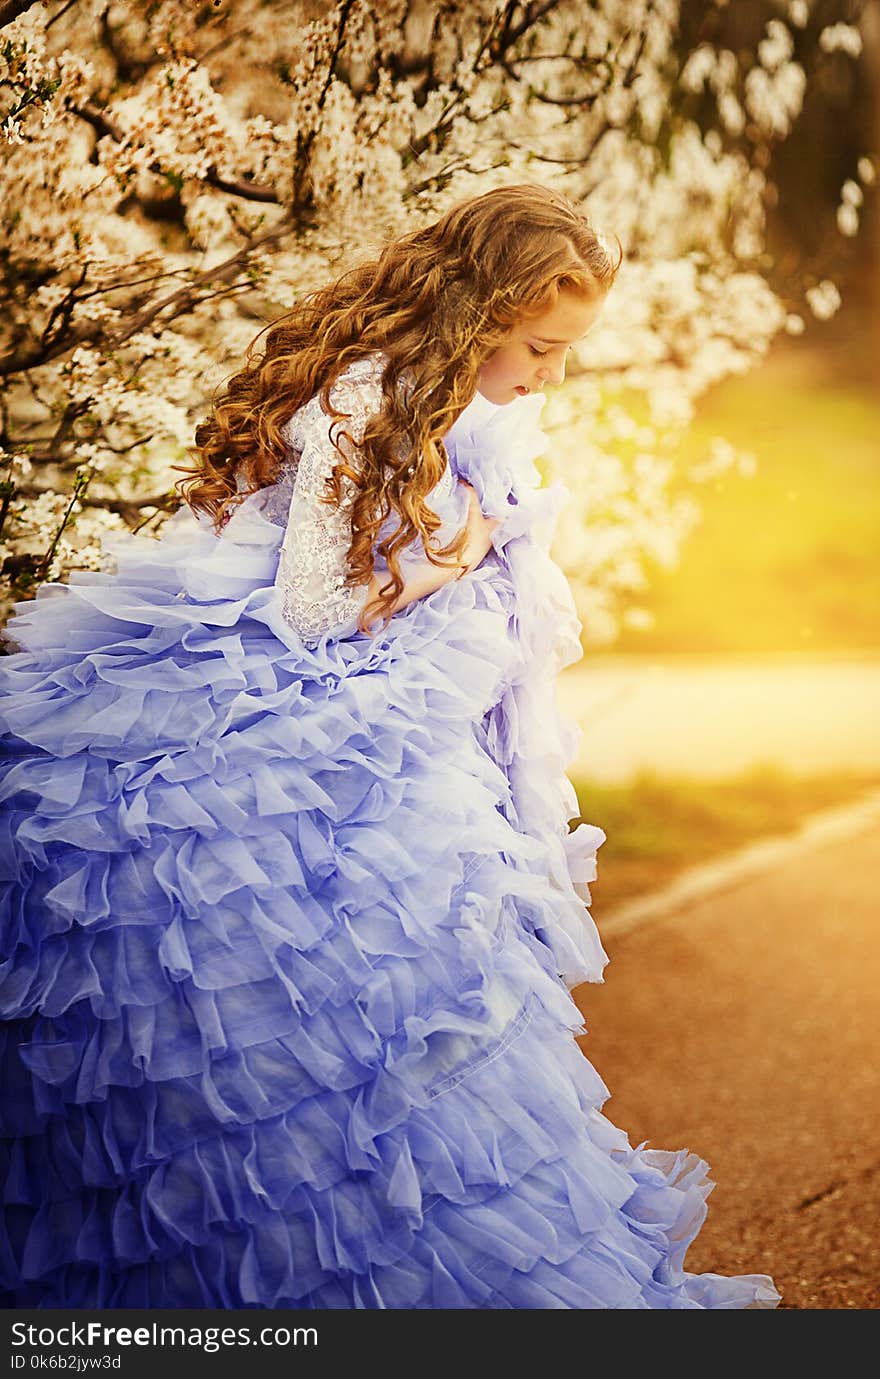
(293, 908)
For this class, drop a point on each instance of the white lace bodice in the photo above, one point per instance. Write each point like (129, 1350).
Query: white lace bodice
(311, 566)
(313, 558)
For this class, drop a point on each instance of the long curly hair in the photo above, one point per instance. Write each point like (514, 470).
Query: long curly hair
(437, 303)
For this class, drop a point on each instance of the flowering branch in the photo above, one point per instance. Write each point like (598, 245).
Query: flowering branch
(106, 128)
(183, 301)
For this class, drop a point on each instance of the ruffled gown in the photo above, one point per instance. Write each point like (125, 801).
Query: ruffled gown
(289, 926)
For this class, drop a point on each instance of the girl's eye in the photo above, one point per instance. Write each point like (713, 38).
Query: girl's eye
(539, 353)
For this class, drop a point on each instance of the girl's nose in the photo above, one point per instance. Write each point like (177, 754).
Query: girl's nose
(553, 373)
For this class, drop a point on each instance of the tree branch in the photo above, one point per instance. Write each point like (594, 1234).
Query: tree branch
(576, 160)
(105, 127)
(185, 298)
(344, 12)
(501, 34)
(11, 9)
(305, 142)
(125, 507)
(59, 318)
(248, 191)
(181, 301)
(59, 14)
(511, 33)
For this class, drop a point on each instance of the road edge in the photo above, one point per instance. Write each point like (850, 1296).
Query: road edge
(722, 874)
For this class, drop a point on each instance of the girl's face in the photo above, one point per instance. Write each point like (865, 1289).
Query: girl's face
(534, 352)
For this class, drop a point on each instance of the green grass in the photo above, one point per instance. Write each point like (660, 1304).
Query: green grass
(784, 560)
(657, 826)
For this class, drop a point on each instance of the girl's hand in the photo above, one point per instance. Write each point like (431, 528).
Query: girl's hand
(427, 578)
(480, 530)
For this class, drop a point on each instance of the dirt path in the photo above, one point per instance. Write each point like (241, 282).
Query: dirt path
(745, 1027)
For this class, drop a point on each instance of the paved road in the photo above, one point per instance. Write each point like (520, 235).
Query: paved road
(745, 1027)
(719, 716)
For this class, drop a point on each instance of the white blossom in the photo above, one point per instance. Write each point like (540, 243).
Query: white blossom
(841, 38)
(731, 112)
(774, 99)
(851, 193)
(721, 459)
(14, 465)
(640, 619)
(799, 13)
(847, 219)
(698, 68)
(777, 47)
(823, 299)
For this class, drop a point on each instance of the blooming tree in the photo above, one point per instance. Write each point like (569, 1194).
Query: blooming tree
(176, 172)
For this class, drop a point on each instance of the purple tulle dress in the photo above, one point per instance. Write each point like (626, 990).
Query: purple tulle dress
(289, 923)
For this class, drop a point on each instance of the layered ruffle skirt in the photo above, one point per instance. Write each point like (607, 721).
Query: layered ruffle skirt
(287, 941)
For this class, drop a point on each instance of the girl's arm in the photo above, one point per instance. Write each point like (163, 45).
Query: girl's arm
(424, 578)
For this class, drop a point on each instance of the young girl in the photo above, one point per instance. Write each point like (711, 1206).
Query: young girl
(293, 908)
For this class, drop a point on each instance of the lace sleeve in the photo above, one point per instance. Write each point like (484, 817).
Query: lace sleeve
(313, 560)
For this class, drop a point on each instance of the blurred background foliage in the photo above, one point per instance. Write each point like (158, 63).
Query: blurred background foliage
(785, 559)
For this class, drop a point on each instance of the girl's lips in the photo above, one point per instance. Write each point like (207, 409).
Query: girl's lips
(523, 392)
